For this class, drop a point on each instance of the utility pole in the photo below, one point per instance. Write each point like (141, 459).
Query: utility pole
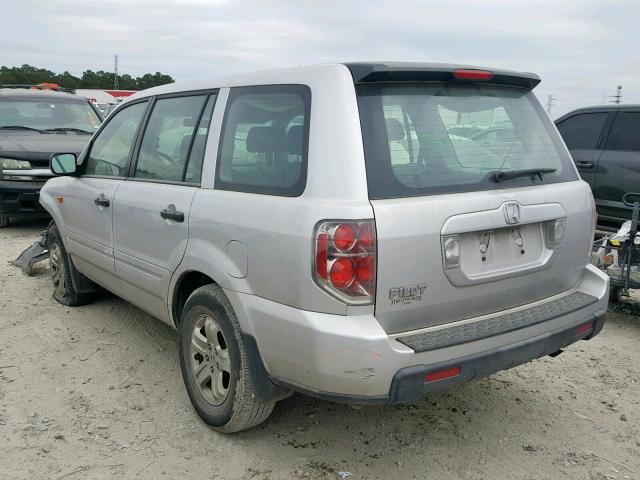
(617, 98)
(115, 74)
(550, 101)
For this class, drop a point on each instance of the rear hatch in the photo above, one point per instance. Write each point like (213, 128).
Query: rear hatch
(478, 207)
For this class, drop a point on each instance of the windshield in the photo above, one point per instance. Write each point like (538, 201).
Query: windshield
(443, 138)
(44, 114)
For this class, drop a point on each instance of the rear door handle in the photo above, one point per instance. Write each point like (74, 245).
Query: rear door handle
(170, 213)
(584, 164)
(102, 201)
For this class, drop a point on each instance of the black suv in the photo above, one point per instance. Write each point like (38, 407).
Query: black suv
(605, 144)
(34, 123)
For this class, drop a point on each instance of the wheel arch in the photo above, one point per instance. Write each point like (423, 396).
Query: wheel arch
(185, 284)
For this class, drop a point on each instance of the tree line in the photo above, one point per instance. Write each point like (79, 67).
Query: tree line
(27, 74)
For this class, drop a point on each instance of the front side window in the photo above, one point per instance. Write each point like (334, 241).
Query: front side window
(47, 114)
(582, 131)
(168, 138)
(441, 138)
(625, 133)
(263, 146)
(110, 151)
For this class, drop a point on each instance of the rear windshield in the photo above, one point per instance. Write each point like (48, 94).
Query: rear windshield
(433, 138)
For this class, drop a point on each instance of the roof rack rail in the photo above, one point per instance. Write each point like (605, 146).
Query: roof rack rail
(40, 86)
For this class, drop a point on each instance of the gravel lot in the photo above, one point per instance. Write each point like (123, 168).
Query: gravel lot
(96, 392)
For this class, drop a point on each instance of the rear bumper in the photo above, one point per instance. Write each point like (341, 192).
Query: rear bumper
(352, 359)
(21, 199)
(408, 384)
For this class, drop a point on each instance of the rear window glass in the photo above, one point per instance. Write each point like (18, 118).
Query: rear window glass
(168, 137)
(434, 138)
(264, 140)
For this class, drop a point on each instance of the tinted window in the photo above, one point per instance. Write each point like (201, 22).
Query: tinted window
(625, 134)
(111, 148)
(167, 138)
(443, 138)
(264, 140)
(583, 131)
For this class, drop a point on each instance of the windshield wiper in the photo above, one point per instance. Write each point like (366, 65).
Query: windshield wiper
(527, 172)
(20, 127)
(67, 129)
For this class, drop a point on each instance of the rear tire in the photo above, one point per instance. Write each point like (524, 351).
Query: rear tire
(59, 266)
(4, 221)
(215, 365)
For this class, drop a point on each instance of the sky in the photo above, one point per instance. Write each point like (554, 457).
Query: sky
(581, 49)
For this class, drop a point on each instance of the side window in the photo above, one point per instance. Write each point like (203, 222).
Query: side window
(625, 134)
(582, 131)
(196, 157)
(263, 146)
(109, 155)
(168, 137)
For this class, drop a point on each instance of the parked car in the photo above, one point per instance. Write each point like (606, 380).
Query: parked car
(34, 123)
(605, 144)
(277, 222)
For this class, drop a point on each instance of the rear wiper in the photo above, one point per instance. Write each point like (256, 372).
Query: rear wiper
(527, 172)
(20, 127)
(68, 129)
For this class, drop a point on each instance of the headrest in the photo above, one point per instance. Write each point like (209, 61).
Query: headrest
(295, 139)
(395, 130)
(266, 140)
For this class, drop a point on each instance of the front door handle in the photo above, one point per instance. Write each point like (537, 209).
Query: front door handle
(102, 201)
(584, 164)
(170, 213)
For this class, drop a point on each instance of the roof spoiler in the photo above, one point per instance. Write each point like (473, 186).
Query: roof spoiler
(426, 72)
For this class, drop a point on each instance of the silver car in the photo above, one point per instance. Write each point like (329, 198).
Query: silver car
(318, 229)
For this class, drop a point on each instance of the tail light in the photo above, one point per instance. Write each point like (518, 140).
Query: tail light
(555, 230)
(345, 260)
(469, 74)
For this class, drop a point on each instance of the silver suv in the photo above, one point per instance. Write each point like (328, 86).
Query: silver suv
(332, 230)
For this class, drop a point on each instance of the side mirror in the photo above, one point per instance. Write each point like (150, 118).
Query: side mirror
(63, 164)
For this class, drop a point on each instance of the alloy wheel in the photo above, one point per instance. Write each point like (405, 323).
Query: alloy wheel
(210, 360)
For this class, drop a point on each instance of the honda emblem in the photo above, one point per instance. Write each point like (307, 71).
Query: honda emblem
(511, 213)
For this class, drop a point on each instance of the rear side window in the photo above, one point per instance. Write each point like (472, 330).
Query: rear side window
(196, 157)
(168, 138)
(583, 131)
(625, 133)
(429, 138)
(264, 140)
(109, 155)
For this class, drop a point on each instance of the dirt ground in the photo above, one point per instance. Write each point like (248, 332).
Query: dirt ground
(96, 392)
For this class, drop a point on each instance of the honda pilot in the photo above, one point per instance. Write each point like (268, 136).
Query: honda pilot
(331, 230)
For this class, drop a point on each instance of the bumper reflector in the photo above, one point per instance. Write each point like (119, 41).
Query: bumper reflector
(442, 374)
(582, 329)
